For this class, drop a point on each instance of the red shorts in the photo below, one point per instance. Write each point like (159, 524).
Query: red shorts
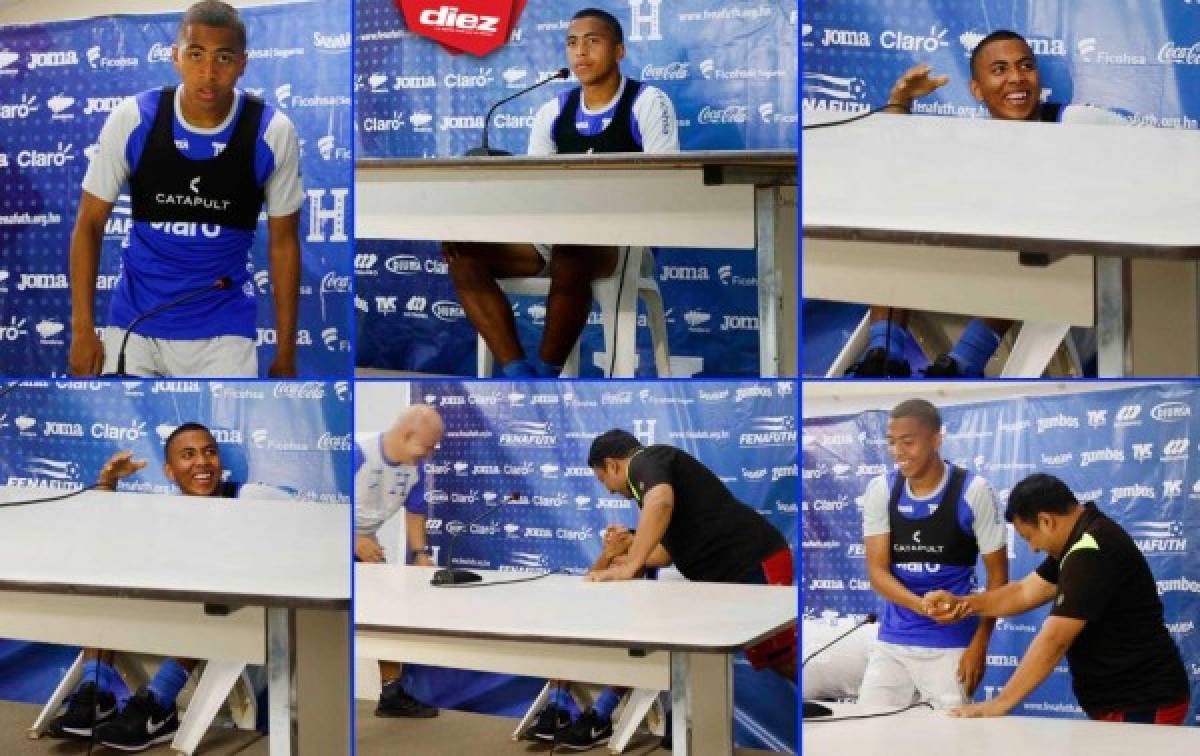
(1171, 714)
(781, 647)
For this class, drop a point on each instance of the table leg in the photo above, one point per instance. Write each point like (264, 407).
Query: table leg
(770, 298)
(280, 707)
(701, 704)
(1114, 349)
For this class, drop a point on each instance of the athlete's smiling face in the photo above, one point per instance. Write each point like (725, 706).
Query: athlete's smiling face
(1005, 79)
(210, 60)
(913, 445)
(194, 463)
(593, 52)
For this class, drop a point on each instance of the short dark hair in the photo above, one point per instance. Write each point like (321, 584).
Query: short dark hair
(186, 427)
(997, 36)
(1036, 494)
(216, 14)
(612, 444)
(920, 410)
(609, 20)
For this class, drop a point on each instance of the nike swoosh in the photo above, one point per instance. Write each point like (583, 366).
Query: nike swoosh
(597, 733)
(102, 713)
(153, 727)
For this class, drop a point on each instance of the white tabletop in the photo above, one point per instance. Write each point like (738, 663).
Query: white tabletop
(187, 548)
(645, 614)
(1003, 185)
(933, 733)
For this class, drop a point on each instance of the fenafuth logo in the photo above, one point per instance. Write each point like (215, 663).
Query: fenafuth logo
(477, 27)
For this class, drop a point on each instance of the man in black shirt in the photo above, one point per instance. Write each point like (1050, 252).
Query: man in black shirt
(1107, 618)
(689, 518)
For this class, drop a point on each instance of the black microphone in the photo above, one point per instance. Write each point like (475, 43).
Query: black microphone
(224, 282)
(448, 575)
(483, 149)
(813, 710)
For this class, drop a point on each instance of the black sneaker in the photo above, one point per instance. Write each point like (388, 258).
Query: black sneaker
(945, 366)
(877, 363)
(587, 732)
(394, 701)
(80, 711)
(551, 723)
(141, 724)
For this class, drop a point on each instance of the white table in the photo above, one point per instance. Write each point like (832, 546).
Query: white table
(934, 733)
(1026, 221)
(671, 635)
(234, 581)
(713, 200)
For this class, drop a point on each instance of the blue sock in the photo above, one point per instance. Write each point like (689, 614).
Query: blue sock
(606, 703)
(106, 681)
(561, 697)
(518, 369)
(880, 338)
(167, 682)
(975, 347)
(547, 370)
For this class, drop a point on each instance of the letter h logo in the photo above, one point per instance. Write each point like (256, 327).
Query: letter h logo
(637, 18)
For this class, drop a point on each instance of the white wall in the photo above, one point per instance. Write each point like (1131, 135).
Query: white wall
(34, 11)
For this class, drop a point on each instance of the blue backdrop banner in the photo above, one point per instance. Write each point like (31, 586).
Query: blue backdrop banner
(1130, 450)
(55, 436)
(1141, 60)
(529, 441)
(730, 68)
(61, 80)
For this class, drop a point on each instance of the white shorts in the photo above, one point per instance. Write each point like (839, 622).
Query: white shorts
(898, 675)
(219, 356)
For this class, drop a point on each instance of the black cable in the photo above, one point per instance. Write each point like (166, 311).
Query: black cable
(59, 497)
(869, 620)
(612, 357)
(870, 716)
(845, 121)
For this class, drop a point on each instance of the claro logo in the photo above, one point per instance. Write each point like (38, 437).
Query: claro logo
(450, 17)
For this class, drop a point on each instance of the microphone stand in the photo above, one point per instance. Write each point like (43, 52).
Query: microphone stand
(450, 575)
(483, 150)
(812, 709)
(224, 282)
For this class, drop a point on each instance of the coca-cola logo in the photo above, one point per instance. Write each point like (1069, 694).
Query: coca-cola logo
(673, 71)
(307, 390)
(1169, 53)
(728, 114)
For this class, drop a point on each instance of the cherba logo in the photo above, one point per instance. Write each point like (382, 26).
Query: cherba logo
(1169, 412)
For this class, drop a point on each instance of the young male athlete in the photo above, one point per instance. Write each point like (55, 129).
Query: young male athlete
(1106, 616)
(193, 462)
(201, 160)
(924, 527)
(388, 479)
(1005, 78)
(607, 112)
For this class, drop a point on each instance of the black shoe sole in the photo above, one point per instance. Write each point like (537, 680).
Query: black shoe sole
(166, 737)
(405, 715)
(594, 744)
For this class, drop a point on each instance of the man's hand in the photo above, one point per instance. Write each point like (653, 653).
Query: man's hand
(944, 607)
(120, 465)
(972, 665)
(86, 356)
(423, 560)
(283, 366)
(916, 82)
(367, 549)
(616, 572)
(616, 539)
(986, 709)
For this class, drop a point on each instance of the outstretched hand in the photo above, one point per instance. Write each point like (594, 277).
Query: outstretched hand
(120, 465)
(915, 82)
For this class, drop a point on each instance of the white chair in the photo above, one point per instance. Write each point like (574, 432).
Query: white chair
(618, 296)
(212, 684)
(637, 707)
(1037, 349)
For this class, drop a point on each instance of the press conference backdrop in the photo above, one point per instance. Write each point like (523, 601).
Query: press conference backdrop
(522, 449)
(1139, 59)
(55, 436)
(730, 69)
(1133, 451)
(61, 80)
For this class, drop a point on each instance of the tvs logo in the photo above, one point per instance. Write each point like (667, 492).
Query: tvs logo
(477, 27)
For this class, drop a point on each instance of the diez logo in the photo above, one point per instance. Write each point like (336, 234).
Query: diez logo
(472, 26)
